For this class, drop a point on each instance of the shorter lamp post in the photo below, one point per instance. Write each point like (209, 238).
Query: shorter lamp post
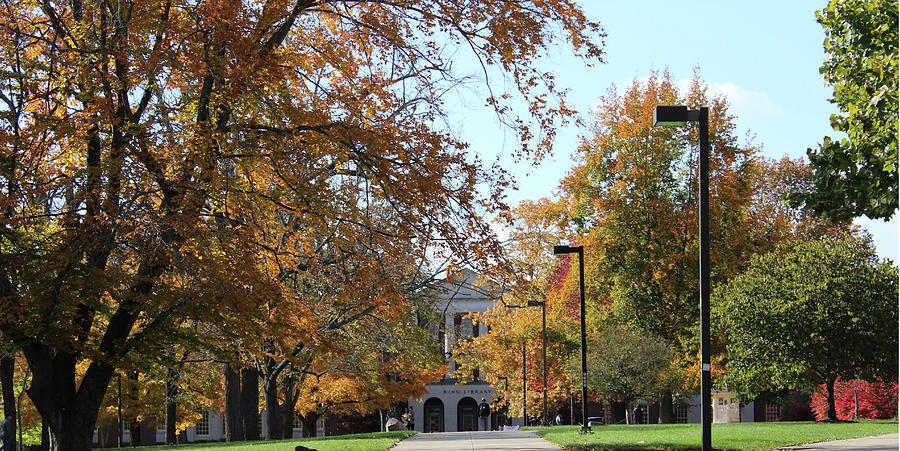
(675, 116)
(543, 305)
(563, 250)
(505, 401)
(524, 381)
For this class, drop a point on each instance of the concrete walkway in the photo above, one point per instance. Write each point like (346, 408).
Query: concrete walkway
(881, 442)
(471, 441)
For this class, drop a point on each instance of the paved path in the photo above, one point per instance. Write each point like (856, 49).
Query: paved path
(470, 441)
(881, 442)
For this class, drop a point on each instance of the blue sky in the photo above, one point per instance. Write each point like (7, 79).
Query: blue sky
(764, 56)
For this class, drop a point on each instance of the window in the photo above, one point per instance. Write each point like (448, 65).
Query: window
(773, 412)
(202, 426)
(126, 431)
(681, 413)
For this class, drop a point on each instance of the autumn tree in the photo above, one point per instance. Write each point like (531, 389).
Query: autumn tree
(146, 146)
(499, 354)
(625, 366)
(857, 175)
(809, 313)
(632, 198)
(531, 229)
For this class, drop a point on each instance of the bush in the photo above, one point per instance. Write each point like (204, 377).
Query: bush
(877, 400)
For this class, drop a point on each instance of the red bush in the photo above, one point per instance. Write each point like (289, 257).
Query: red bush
(877, 400)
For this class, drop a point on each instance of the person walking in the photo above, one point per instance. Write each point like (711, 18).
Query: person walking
(484, 415)
(558, 420)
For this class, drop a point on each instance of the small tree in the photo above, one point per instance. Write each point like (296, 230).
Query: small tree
(809, 313)
(625, 365)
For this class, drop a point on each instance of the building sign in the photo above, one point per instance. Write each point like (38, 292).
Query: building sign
(462, 391)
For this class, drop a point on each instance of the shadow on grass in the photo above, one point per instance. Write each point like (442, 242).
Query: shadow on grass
(286, 443)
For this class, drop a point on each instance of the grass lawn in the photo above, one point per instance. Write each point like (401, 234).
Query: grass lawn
(731, 436)
(378, 441)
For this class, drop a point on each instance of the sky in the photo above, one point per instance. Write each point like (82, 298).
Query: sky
(764, 56)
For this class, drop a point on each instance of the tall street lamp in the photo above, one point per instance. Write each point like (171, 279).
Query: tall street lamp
(543, 304)
(674, 116)
(562, 250)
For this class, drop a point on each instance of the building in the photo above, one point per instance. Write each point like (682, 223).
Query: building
(448, 407)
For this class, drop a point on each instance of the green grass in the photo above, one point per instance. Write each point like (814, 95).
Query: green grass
(378, 441)
(731, 436)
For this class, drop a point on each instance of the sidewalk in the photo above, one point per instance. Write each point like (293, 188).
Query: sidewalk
(471, 441)
(879, 443)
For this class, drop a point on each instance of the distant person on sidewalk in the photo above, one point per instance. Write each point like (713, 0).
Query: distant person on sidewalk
(558, 420)
(484, 415)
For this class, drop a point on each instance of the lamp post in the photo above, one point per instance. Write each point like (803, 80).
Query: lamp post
(562, 250)
(673, 116)
(543, 304)
(524, 388)
(533, 303)
(505, 400)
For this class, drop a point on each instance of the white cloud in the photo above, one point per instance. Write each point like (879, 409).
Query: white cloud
(746, 103)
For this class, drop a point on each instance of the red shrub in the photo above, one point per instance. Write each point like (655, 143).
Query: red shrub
(877, 400)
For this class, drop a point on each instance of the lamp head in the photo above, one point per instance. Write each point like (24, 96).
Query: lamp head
(562, 250)
(670, 115)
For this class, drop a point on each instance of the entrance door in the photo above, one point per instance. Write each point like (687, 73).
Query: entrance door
(465, 414)
(434, 415)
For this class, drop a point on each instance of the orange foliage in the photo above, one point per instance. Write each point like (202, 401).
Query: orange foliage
(170, 164)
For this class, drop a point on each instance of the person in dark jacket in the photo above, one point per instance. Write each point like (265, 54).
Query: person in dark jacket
(637, 415)
(484, 415)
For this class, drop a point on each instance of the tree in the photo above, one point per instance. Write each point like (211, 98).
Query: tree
(632, 199)
(625, 365)
(809, 313)
(533, 227)
(147, 146)
(857, 175)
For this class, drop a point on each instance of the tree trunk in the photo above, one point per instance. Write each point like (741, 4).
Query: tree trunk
(666, 410)
(171, 392)
(250, 403)
(832, 412)
(7, 369)
(70, 413)
(136, 427)
(309, 424)
(274, 419)
(45, 436)
(133, 400)
(234, 427)
(287, 408)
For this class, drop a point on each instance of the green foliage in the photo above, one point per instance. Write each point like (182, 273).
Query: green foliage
(625, 365)
(807, 313)
(858, 175)
(731, 436)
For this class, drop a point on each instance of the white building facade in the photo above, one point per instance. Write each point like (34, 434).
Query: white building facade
(448, 407)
